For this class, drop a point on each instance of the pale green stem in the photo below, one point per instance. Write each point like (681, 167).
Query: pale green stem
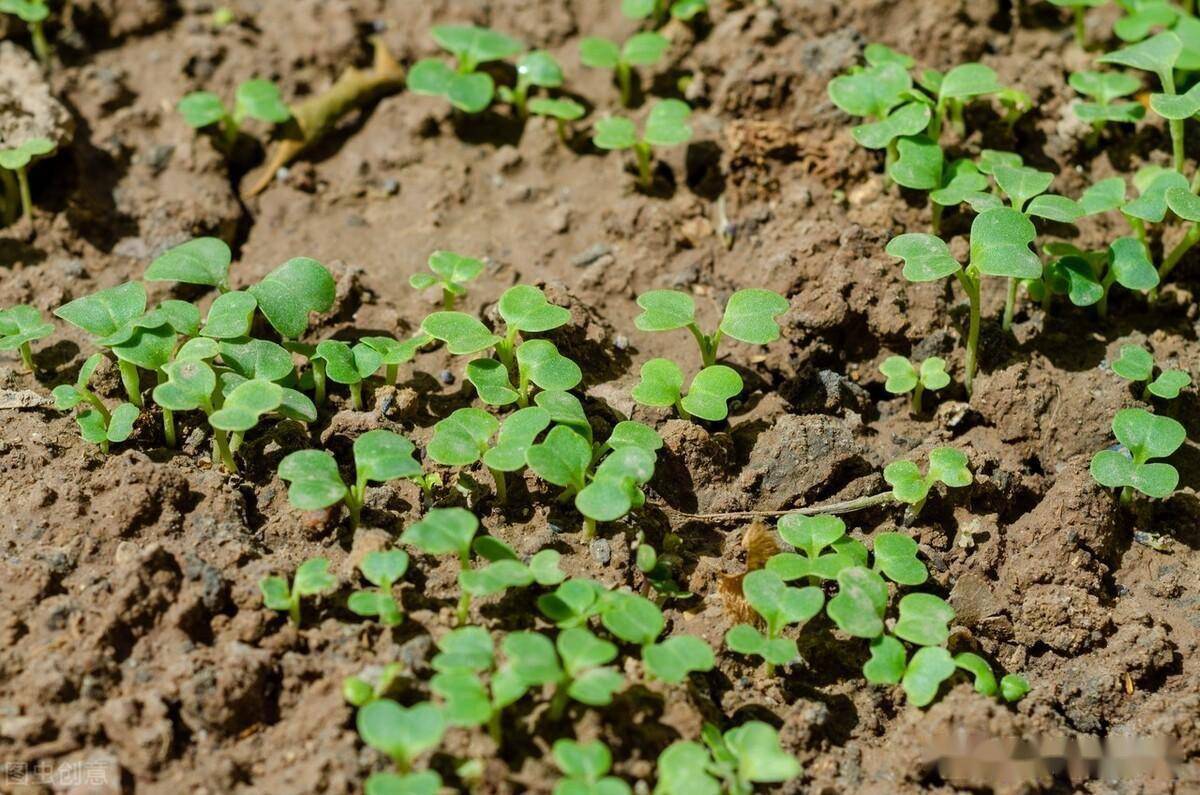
(501, 486)
(1010, 303)
(918, 390)
(448, 299)
(625, 82)
(1080, 30)
(26, 195)
(356, 396)
(131, 381)
(589, 528)
(168, 417)
(645, 176)
(971, 286)
(27, 356)
(40, 47)
(392, 374)
(221, 444)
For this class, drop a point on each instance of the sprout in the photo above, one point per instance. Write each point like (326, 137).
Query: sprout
(1159, 54)
(17, 198)
(383, 570)
(343, 364)
(316, 484)
(427, 782)
(19, 326)
(374, 683)
(311, 578)
(562, 110)
(747, 755)
(667, 125)
(585, 769)
(946, 465)
(750, 316)
(254, 99)
(811, 536)
(1078, 7)
(1104, 88)
(505, 570)
(538, 363)
(446, 531)
(289, 294)
(523, 308)
(393, 353)
(903, 377)
(583, 673)
(1143, 436)
(33, 13)
(779, 605)
(1137, 365)
(534, 69)
(640, 49)
(1086, 278)
(662, 382)
(96, 424)
(403, 734)
(202, 260)
(466, 89)
(451, 272)
(660, 570)
(657, 10)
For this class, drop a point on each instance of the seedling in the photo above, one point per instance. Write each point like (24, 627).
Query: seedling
(451, 272)
(446, 531)
(538, 363)
(903, 377)
(311, 579)
(343, 364)
(523, 308)
(401, 733)
(585, 769)
(373, 683)
(661, 570)
(734, 762)
(661, 385)
(1159, 55)
(427, 782)
(779, 605)
(1143, 436)
(883, 94)
(537, 69)
(465, 88)
(289, 294)
(667, 125)
(1078, 7)
(96, 423)
(18, 199)
(254, 99)
(1137, 365)
(583, 673)
(946, 465)
(465, 436)
(33, 13)
(381, 569)
(20, 326)
(640, 49)
(394, 353)
(750, 316)
(1104, 88)
(1000, 239)
(202, 260)
(1086, 278)
(811, 536)
(562, 110)
(505, 570)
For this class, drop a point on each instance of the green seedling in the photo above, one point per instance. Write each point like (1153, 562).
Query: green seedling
(585, 769)
(1086, 278)
(1016, 103)
(14, 176)
(311, 579)
(505, 570)
(640, 49)
(657, 10)
(464, 656)
(373, 683)
(341, 363)
(946, 465)
(465, 437)
(394, 353)
(1159, 55)
(255, 99)
(883, 94)
(661, 385)
(1143, 436)
(1000, 239)
(450, 271)
(1103, 88)
(574, 603)
(661, 570)
(202, 260)
(733, 763)
(666, 125)
(289, 294)
(401, 733)
(811, 536)
(315, 483)
(538, 364)
(383, 570)
(34, 14)
(427, 782)
(524, 309)
(463, 87)
(903, 377)
(1078, 9)
(96, 423)
(582, 675)
(562, 110)
(750, 316)
(1137, 365)
(20, 326)
(447, 531)
(779, 605)
(537, 69)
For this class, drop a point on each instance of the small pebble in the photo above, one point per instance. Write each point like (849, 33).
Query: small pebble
(283, 173)
(446, 377)
(555, 529)
(391, 186)
(620, 342)
(601, 551)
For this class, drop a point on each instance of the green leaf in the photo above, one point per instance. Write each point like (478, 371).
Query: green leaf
(926, 258)
(750, 316)
(204, 260)
(490, 379)
(1157, 54)
(1055, 208)
(1013, 687)
(544, 566)
(230, 316)
(676, 657)
(561, 108)
(949, 466)
(314, 480)
(312, 577)
(532, 656)
(1000, 241)
(347, 365)
(1127, 112)
(107, 312)
(896, 556)
(981, 672)
(1151, 205)
(287, 295)
(687, 9)
(587, 761)
(462, 438)
(968, 80)
(1104, 87)
(541, 362)
(872, 92)
(539, 68)
(683, 769)
(1169, 383)
(665, 310)
(381, 455)
(634, 9)
(644, 49)
(909, 119)
(858, 607)
(260, 99)
(1176, 106)
(906, 481)
(811, 534)
(190, 385)
(246, 404)
(393, 352)
(933, 373)
(632, 618)
(443, 531)
(778, 603)
(466, 699)
(465, 649)
(901, 375)
(1134, 363)
(923, 619)
(1022, 183)
(517, 433)
(660, 385)
(886, 666)
(431, 77)
(495, 578)
(471, 93)
(255, 358)
(1130, 265)
(755, 745)
(120, 423)
(667, 123)
(927, 669)
(563, 458)
(599, 53)
(615, 132)
(462, 333)
(383, 568)
(475, 45)
(426, 782)
(200, 109)
(20, 325)
(403, 734)
(710, 390)
(919, 165)
(455, 270)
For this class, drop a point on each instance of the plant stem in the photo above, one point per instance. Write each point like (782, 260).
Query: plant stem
(131, 381)
(846, 506)
(294, 610)
(168, 417)
(501, 486)
(888, 160)
(1010, 302)
(558, 704)
(11, 200)
(971, 286)
(494, 728)
(1167, 78)
(356, 396)
(235, 441)
(683, 414)
(27, 356)
(935, 217)
(916, 397)
(40, 47)
(589, 528)
(448, 298)
(562, 129)
(1080, 30)
(1126, 495)
(1190, 239)
(221, 443)
(26, 196)
(708, 355)
(770, 670)
(318, 367)
(464, 601)
(392, 374)
(625, 82)
(354, 507)
(645, 175)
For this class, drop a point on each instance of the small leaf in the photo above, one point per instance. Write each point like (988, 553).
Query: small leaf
(462, 438)
(1000, 241)
(260, 99)
(858, 607)
(981, 672)
(750, 316)
(710, 390)
(200, 109)
(615, 132)
(565, 109)
(230, 316)
(1156, 54)
(1134, 363)
(923, 619)
(246, 404)
(927, 669)
(886, 666)
(443, 531)
(665, 310)
(909, 119)
(632, 618)
(120, 423)
(926, 258)
(1169, 383)
(384, 567)
(1013, 687)
(968, 80)
(811, 534)
(896, 556)
(676, 657)
(667, 123)
(901, 375)
(204, 260)
(430, 77)
(517, 433)
(644, 49)
(314, 480)
(312, 577)
(401, 733)
(546, 367)
(475, 45)
(107, 312)
(871, 92)
(562, 458)
(462, 333)
(490, 379)
(920, 163)
(287, 295)
(599, 53)
(381, 455)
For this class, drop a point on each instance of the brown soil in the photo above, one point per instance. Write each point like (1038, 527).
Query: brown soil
(132, 633)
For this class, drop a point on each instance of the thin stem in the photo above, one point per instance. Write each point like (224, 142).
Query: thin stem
(26, 196)
(1010, 303)
(645, 175)
(589, 528)
(1190, 239)
(625, 82)
(1126, 495)
(448, 299)
(318, 367)
(356, 396)
(501, 486)
(98, 404)
(562, 129)
(935, 217)
(1080, 30)
(890, 158)
(464, 601)
(971, 286)
(40, 47)
(770, 670)
(168, 417)
(27, 356)
(918, 390)
(707, 352)
(558, 704)
(131, 381)
(221, 444)
(683, 414)
(846, 506)
(354, 505)
(392, 374)
(12, 201)
(235, 441)
(494, 729)
(1167, 77)
(294, 609)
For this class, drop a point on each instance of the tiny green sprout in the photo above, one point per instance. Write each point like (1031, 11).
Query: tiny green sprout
(96, 423)
(660, 571)
(462, 438)
(289, 294)
(463, 655)
(463, 87)
(903, 377)
(446, 531)
(583, 675)
(538, 363)
(17, 197)
(585, 769)
(1159, 55)
(373, 683)
(1143, 436)
(946, 465)
(750, 316)
(954, 90)
(339, 362)
(661, 385)
(401, 733)
(20, 326)
(427, 782)
(883, 94)
(203, 260)
(574, 602)
(537, 69)
(640, 49)
(394, 353)
(1016, 103)
(1078, 7)
(381, 569)
(1013, 687)
(451, 272)
(255, 99)
(1137, 365)
(505, 570)
(517, 434)
(667, 125)
(1086, 278)
(1104, 88)
(33, 13)
(811, 536)
(673, 659)
(656, 10)
(561, 109)
(779, 605)
(311, 579)
(746, 755)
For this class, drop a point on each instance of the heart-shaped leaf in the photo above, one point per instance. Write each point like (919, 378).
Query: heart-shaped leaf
(750, 316)
(204, 260)
(287, 295)
(462, 438)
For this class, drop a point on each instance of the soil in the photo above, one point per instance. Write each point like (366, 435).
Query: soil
(132, 633)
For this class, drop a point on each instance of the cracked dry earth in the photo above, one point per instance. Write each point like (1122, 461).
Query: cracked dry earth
(132, 633)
